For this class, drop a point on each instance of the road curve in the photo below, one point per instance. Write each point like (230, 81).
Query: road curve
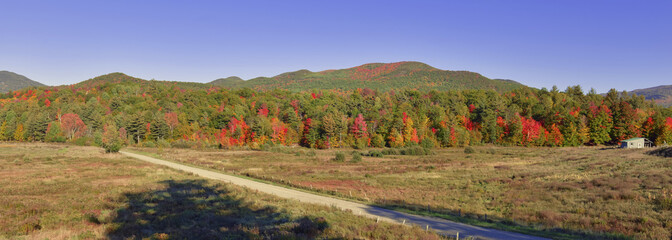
(442, 226)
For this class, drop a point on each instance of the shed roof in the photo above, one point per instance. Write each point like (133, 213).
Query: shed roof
(632, 139)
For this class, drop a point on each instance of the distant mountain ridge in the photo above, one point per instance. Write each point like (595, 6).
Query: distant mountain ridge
(662, 95)
(122, 78)
(10, 81)
(379, 76)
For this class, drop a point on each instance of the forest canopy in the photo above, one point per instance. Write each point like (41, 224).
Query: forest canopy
(152, 113)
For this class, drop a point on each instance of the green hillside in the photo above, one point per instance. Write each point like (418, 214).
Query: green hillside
(121, 78)
(662, 95)
(10, 81)
(227, 81)
(379, 76)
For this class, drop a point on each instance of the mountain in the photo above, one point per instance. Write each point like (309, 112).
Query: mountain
(379, 76)
(121, 78)
(10, 81)
(662, 95)
(111, 78)
(227, 81)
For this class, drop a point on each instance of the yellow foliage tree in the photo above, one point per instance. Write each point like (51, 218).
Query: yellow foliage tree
(18, 134)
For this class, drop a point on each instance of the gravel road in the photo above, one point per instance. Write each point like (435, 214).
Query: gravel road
(442, 226)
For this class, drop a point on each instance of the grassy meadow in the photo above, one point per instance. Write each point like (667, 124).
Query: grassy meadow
(55, 191)
(573, 192)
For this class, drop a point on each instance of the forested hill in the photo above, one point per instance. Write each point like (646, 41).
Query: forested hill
(660, 94)
(160, 113)
(10, 81)
(112, 79)
(377, 76)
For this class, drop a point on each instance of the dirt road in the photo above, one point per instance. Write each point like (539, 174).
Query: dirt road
(442, 226)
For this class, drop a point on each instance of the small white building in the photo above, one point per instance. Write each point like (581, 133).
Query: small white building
(636, 143)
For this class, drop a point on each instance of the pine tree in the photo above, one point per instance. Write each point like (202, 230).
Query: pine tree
(10, 125)
(37, 129)
(136, 128)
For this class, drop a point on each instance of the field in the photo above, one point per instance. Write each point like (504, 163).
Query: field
(581, 192)
(52, 191)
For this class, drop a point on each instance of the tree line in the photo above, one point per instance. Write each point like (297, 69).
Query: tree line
(152, 113)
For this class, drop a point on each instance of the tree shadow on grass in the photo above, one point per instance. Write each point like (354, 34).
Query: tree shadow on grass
(661, 152)
(192, 209)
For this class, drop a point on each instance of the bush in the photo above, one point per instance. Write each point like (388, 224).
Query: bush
(360, 143)
(110, 139)
(162, 143)
(375, 153)
(427, 143)
(378, 141)
(390, 151)
(83, 141)
(356, 157)
(339, 157)
(183, 144)
(149, 144)
(98, 138)
(469, 150)
(415, 151)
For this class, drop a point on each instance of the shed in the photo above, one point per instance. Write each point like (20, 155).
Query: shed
(636, 143)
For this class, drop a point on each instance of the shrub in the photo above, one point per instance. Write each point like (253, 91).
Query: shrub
(98, 138)
(390, 151)
(427, 143)
(162, 143)
(149, 144)
(183, 144)
(378, 141)
(469, 150)
(359, 143)
(415, 151)
(339, 157)
(110, 139)
(356, 157)
(375, 153)
(83, 141)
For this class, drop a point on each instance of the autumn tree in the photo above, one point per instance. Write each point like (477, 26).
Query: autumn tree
(600, 123)
(171, 121)
(54, 133)
(111, 141)
(72, 125)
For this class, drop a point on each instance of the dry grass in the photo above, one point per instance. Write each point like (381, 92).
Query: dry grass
(584, 190)
(52, 191)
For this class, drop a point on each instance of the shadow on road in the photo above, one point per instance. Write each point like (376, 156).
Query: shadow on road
(192, 209)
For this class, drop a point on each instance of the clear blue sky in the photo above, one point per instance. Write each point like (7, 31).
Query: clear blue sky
(601, 44)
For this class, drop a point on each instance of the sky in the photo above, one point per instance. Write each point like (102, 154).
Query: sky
(596, 44)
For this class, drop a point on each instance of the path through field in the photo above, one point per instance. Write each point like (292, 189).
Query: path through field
(442, 226)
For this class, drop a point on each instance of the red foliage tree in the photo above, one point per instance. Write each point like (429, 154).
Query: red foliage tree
(555, 137)
(358, 128)
(239, 132)
(532, 130)
(263, 111)
(171, 120)
(72, 125)
(279, 131)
